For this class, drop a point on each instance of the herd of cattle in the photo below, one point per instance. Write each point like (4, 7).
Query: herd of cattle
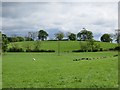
(93, 58)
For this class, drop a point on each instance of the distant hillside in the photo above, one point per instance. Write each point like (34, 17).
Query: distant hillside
(65, 46)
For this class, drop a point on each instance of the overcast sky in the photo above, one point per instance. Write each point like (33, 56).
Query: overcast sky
(21, 17)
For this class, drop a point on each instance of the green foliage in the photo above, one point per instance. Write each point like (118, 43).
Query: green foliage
(20, 38)
(118, 38)
(59, 35)
(52, 71)
(83, 46)
(28, 48)
(15, 39)
(28, 39)
(4, 42)
(37, 45)
(15, 48)
(85, 35)
(117, 48)
(32, 35)
(89, 45)
(42, 35)
(65, 46)
(72, 36)
(106, 38)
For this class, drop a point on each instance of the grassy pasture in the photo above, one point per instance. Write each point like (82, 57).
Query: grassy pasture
(53, 71)
(0, 71)
(64, 45)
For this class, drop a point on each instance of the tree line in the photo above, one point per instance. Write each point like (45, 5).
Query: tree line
(42, 35)
(83, 35)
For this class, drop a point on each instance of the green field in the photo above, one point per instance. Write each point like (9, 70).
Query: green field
(52, 71)
(0, 71)
(65, 46)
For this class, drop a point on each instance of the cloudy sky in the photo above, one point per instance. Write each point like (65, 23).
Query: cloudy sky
(21, 17)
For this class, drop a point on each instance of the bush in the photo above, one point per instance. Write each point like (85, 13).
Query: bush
(28, 50)
(95, 50)
(89, 50)
(105, 50)
(28, 39)
(37, 50)
(117, 48)
(51, 51)
(78, 51)
(14, 49)
(111, 49)
(101, 49)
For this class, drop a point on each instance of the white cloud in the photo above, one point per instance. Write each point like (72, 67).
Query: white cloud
(68, 17)
(60, 0)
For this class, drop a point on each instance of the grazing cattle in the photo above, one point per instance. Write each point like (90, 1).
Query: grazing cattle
(34, 59)
(115, 55)
(92, 58)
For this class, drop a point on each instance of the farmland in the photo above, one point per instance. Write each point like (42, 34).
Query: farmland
(64, 45)
(0, 71)
(57, 44)
(52, 71)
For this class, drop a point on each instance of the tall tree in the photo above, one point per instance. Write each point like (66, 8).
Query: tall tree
(33, 35)
(4, 42)
(72, 36)
(59, 35)
(118, 39)
(42, 35)
(117, 36)
(85, 35)
(106, 38)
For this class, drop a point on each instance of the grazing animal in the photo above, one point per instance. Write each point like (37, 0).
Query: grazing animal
(90, 59)
(34, 59)
(115, 55)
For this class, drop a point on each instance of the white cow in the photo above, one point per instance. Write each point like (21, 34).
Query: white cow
(34, 59)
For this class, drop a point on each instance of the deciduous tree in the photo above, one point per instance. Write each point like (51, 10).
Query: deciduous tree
(4, 42)
(42, 35)
(106, 38)
(59, 35)
(85, 35)
(72, 36)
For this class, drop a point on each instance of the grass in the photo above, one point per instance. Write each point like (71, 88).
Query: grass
(53, 71)
(0, 71)
(65, 46)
